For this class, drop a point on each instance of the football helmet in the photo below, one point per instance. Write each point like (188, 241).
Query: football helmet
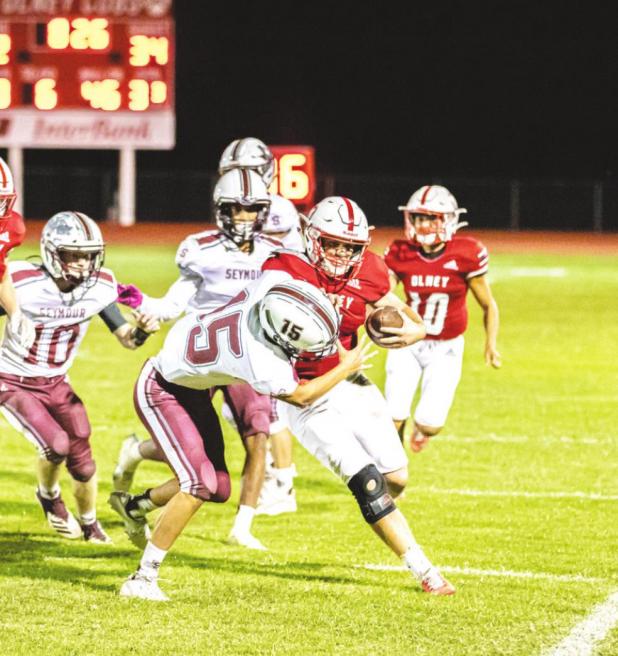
(72, 233)
(249, 153)
(336, 219)
(438, 203)
(300, 319)
(240, 187)
(7, 190)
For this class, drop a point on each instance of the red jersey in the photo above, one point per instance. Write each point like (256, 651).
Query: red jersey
(369, 284)
(436, 287)
(12, 233)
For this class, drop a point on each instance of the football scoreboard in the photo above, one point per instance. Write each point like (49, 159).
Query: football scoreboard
(294, 174)
(87, 74)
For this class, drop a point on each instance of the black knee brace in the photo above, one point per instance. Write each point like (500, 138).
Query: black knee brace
(369, 488)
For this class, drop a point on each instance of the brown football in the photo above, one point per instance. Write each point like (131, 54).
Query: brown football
(382, 317)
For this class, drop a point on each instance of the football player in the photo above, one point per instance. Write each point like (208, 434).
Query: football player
(215, 265)
(253, 338)
(61, 297)
(282, 222)
(349, 430)
(12, 233)
(436, 269)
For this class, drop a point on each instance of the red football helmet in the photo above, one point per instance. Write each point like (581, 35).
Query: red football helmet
(336, 235)
(7, 190)
(439, 208)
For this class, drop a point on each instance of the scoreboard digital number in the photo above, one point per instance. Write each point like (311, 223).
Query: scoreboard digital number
(98, 75)
(294, 174)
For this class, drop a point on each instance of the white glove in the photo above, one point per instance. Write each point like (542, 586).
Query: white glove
(22, 330)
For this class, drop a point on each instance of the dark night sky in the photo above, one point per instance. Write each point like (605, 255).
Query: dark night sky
(441, 88)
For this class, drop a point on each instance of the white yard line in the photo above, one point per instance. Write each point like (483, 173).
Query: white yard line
(502, 573)
(592, 630)
(590, 496)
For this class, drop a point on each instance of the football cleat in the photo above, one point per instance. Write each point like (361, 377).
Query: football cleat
(59, 518)
(435, 584)
(126, 465)
(139, 586)
(418, 442)
(136, 528)
(95, 534)
(245, 540)
(276, 500)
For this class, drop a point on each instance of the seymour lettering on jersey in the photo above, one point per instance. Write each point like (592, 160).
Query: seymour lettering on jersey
(429, 281)
(242, 274)
(63, 313)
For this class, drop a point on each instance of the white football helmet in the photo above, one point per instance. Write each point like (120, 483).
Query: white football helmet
(338, 219)
(244, 188)
(249, 153)
(72, 232)
(7, 190)
(300, 319)
(436, 202)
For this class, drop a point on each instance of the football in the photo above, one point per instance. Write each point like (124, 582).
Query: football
(380, 318)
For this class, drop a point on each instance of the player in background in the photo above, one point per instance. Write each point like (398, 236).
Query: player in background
(436, 269)
(283, 223)
(215, 265)
(61, 297)
(349, 430)
(12, 233)
(252, 338)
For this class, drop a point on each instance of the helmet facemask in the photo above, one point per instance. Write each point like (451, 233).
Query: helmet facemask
(239, 230)
(338, 259)
(6, 204)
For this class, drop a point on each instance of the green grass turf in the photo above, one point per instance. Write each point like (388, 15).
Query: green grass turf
(545, 423)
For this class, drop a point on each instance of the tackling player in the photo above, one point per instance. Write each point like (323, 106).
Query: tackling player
(215, 265)
(349, 430)
(436, 270)
(12, 232)
(253, 339)
(61, 297)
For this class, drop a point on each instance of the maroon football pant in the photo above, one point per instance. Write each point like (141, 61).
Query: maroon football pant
(185, 426)
(52, 417)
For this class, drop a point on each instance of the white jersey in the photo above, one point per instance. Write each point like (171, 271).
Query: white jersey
(212, 271)
(61, 320)
(227, 346)
(284, 223)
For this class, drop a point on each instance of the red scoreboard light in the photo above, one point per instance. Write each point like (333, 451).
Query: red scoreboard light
(294, 174)
(87, 74)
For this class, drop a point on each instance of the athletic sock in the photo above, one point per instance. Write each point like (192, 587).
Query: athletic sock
(49, 493)
(285, 476)
(416, 561)
(243, 520)
(87, 518)
(151, 561)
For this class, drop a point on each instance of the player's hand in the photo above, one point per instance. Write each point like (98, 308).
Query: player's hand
(129, 295)
(356, 359)
(406, 335)
(492, 357)
(146, 322)
(22, 330)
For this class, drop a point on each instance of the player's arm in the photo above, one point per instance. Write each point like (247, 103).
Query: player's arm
(413, 328)
(175, 301)
(479, 285)
(20, 326)
(130, 337)
(350, 362)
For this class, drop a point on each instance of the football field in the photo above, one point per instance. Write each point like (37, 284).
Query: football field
(517, 502)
